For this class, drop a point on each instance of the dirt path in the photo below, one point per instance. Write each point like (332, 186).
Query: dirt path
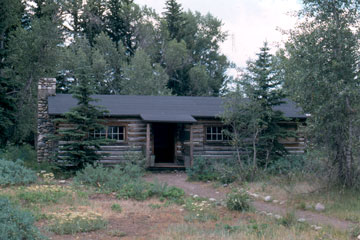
(208, 191)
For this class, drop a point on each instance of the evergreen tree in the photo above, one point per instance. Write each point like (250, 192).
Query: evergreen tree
(250, 113)
(10, 18)
(33, 52)
(73, 8)
(174, 18)
(93, 19)
(122, 22)
(75, 129)
(263, 85)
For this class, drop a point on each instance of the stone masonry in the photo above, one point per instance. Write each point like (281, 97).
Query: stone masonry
(46, 88)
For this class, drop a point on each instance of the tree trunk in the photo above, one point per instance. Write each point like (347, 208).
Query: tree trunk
(349, 157)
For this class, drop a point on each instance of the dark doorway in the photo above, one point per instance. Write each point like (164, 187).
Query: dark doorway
(164, 142)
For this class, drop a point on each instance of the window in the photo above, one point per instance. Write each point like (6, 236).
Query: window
(111, 132)
(215, 133)
(116, 132)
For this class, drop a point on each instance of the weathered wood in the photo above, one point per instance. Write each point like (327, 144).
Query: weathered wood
(148, 143)
(215, 156)
(191, 146)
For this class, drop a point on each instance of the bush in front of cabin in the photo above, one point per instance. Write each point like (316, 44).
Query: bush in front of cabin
(25, 152)
(107, 178)
(202, 170)
(14, 173)
(15, 223)
(238, 201)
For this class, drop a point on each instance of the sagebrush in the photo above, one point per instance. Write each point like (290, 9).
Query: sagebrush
(14, 173)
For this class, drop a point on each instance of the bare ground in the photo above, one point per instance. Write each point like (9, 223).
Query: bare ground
(207, 190)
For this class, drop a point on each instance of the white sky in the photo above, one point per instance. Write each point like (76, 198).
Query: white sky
(248, 22)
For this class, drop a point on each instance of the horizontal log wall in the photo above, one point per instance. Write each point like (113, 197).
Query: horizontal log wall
(135, 141)
(223, 150)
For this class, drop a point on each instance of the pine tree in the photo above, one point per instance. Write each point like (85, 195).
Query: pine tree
(11, 12)
(76, 128)
(174, 18)
(262, 84)
(93, 19)
(122, 23)
(249, 111)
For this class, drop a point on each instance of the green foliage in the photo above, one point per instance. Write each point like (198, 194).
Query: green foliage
(238, 201)
(92, 19)
(201, 210)
(11, 13)
(79, 147)
(15, 223)
(355, 232)
(116, 208)
(25, 153)
(288, 220)
(141, 77)
(122, 20)
(14, 173)
(202, 170)
(328, 68)
(33, 52)
(43, 194)
(223, 170)
(138, 190)
(289, 164)
(250, 111)
(108, 179)
(78, 224)
(174, 19)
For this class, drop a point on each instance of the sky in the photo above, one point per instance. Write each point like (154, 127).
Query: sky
(248, 22)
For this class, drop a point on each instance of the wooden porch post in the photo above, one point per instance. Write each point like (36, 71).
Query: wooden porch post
(148, 144)
(191, 145)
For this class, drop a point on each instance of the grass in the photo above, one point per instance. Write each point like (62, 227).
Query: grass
(304, 194)
(251, 228)
(75, 222)
(168, 214)
(342, 204)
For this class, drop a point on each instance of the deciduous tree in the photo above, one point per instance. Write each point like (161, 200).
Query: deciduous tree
(322, 74)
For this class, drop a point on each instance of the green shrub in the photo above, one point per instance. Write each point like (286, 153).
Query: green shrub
(45, 194)
(13, 173)
(223, 170)
(25, 152)
(288, 164)
(138, 190)
(116, 207)
(238, 201)
(135, 158)
(174, 194)
(288, 220)
(72, 223)
(202, 170)
(15, 223)
(106, 178)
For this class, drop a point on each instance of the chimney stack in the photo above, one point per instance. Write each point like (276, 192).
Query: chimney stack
(46, 88)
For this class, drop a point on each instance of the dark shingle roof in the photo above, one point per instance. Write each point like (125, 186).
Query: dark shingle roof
(159, 108)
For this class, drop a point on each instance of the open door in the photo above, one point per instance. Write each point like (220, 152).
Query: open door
(164, 142)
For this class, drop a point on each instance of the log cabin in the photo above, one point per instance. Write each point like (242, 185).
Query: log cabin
(169, 130)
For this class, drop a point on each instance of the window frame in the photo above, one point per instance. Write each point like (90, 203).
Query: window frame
(224, 138)
(108, 126)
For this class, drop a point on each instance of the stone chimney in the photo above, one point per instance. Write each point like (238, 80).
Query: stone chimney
(46, 88)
